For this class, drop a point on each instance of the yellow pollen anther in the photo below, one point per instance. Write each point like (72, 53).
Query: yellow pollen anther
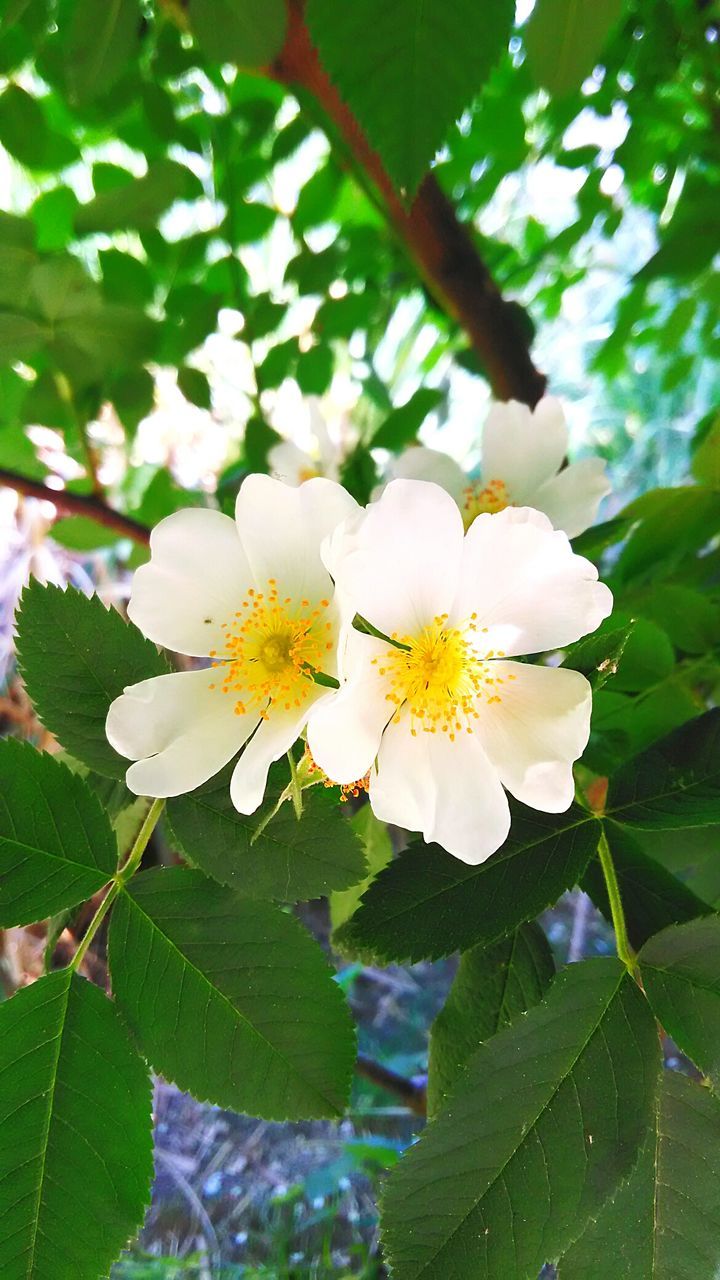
(479, 499)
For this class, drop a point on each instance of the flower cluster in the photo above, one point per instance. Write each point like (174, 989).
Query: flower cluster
(389, 635)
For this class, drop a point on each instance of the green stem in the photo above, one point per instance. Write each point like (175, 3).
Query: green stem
(121, 877)
(367, 628)
(622, 942)
(296, 788)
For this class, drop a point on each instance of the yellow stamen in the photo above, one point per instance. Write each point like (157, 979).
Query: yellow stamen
(478, 499)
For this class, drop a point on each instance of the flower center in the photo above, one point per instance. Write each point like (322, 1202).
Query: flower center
(273, 645)
(439, 677)
(478, 499)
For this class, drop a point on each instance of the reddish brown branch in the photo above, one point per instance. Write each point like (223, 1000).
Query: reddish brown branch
(440, 245)
(77, 504)
(411, 1092)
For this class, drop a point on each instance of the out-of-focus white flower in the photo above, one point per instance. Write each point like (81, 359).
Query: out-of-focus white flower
(442, 718)
(288, 462)
(254, 596)
(522, 453)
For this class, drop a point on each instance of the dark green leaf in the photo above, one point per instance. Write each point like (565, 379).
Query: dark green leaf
(98, 42)
(289, 861)
(138, 205)
(230, 998)
(248, 32)
(545, 1122)
(57, 847)
(681, 975)
(76, 1145)
(664, 1222)
(434, 60)
(77, 657)
(676, 783)
(652, 897)
(194, 386)
(428, 904)
(402, 425)
(25, 133)
(492, 986)
(599, 656)
(565, 39)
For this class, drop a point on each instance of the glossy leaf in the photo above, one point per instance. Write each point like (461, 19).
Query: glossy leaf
(75, 1132)
(545, 1122)
(428, 904)
(288, 860)
(681, 974)
(230, 998)
(676, 783)
(76, 656)
(491, 987)
(664, 1222)
(57, 847)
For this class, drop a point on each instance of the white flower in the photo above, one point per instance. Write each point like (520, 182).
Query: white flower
(446, 722)
(253, 595)
(288, 462)
(522, 452)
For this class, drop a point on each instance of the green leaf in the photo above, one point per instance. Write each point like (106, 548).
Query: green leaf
(599, 656)
(402, 425)
(195, 386)
(546, 1120)
(681, 975)
(76, 1146)
(705, 463)
(81, 533)
(230, 998)
(99, 41)
(53, 214)
(25, 133)
(57, 847)
(76, 657)
(408, 69)
(20, 336)
(676, 783)
(378, 852)
(428, 904)
(673, 524)
(138, 204)
(288, 861)
(248, 32)
(691, 620)
(491, 987)
(664, 1222)
(565, 38)
(652, 897)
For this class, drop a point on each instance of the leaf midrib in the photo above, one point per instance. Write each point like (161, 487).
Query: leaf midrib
(57, 857)
(530, 1129)
(227, 1001)
(46, 1135)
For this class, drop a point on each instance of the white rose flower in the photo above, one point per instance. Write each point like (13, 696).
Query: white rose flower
(522, 452)
(253, 595)
(288, 462)
(447, 721)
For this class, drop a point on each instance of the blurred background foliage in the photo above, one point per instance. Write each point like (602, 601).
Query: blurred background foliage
(194, 263)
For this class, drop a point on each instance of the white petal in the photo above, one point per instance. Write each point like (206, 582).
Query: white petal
(420, 463)
(572, 497)
(526, 585)
(447, 790)
(523, 448)
(345, 727)
(196, 575)
(178, 729)
(290, 464)
(273, 738)
(281, 529)
(399, 564)
(538, 729)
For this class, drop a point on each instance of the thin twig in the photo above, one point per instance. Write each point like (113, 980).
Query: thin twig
(77, 504)
(412, 1092)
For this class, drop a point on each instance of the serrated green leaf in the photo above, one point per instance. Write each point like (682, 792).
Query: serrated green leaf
(599, 656)
(75, 1120)
(565, 38)
(652, 897)
(491, 987)
(76, 656)
(99, 40)
(57, 847)
(676, 783)
(664, 1222)
(248, 32)
(407, 69)
(230, 998)
(428, 904)
(545, 1122)
(378, 851)
(681, 975)
(288, 861)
